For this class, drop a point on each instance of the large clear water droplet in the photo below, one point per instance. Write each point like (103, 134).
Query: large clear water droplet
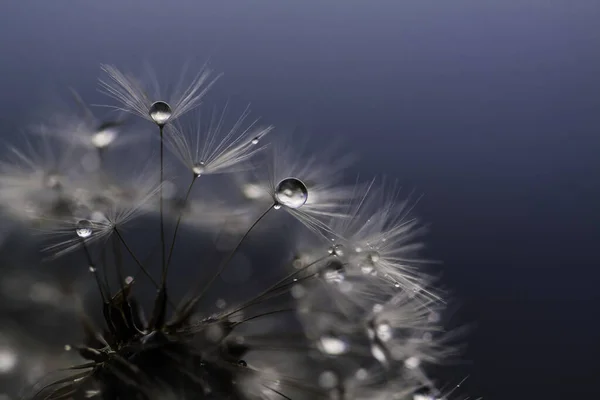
(333, 345)
(160, 112)
(291, 192)
(84, 229)
(199, 168)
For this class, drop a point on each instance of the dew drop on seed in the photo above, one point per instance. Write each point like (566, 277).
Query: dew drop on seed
(242, 363)
(328, 380)
(333, 272)
(92, 269)
(67, 347)
(333, 345)
(199, 168)
(384, 331)
(84, 229)
(336, 250)
(373, 256)
(277, 206)
(255, 140)
(104, 137)
(160, 112)
(291, 192)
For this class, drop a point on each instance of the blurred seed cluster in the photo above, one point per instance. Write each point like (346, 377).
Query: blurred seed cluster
(169, 252)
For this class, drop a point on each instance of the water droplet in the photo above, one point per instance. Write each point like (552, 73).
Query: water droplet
(377, 308)
(103, 138)
(373, 256)
(84, 229)
(378, 353)
(277, 206)
(255, 140)
(333, 272)
(198, 168)
(336, 250)
(52, 181)
(328, 380)
(67, 347)
(412, 362)
(221, 303)
(160, 112)
(366, 269)
(333, 345)
(129, 280)
(242, 363)
(92, 269)
(291, 192)
(384, 331)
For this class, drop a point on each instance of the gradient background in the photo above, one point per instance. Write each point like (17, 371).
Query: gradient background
(491, 108)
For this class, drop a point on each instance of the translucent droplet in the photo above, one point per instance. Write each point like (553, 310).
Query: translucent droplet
(412, 362)
(52, 181)
(384, 331)
(255, 140)
(129, 280)
(160, 112)
(328, 380)
(103, 138)
(333, 272)
(333, 345)
(242, 363)
(198, 168)
(291, 192)
(67, 347)
(84, 229)
(337, 250)
(92, 269)
(277, 206)
(373, 256)
(378, 353)
(366, 269)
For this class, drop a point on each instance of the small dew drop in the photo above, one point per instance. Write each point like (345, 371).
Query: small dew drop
(84, 229)
(92, 269)
(333, 345)
(103, 138)
(255, 140)
(67, 347)
(160, 112)
(199, 168)
(221, 303)
(336, 250)
(333, 272)
(384, 331)
(129, 280)
(366, 269)
(328, 380)
(277, 206)
(242, 363)
(291, 192)
(373, 256)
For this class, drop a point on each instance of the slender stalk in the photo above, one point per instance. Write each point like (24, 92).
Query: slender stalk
(162, 221)
(187, 195)
(235, 249)
(189, 304)
(137, 261)
(93, 269)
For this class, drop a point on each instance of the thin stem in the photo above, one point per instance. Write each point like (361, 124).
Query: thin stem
(190, 303)
(235, 249)
(187, 195)
(93, 269)
(162, 221)
(135, 258)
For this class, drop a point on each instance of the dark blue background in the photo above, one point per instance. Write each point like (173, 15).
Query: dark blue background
(491, 108)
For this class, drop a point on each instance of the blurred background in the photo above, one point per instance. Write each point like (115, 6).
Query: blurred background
(491, 109)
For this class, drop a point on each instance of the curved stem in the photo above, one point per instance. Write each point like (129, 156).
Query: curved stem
(187, 195)
(93, 269)
(135, 258)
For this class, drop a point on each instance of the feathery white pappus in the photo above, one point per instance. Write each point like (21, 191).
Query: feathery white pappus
(353, 315)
